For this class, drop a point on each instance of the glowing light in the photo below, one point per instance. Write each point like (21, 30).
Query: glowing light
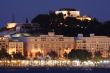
(65, 13)
(11, 50)
(84, 18)
(11, 25)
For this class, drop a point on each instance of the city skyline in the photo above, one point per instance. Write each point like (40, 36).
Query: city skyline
(30, 9)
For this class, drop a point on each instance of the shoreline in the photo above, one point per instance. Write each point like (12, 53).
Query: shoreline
(48, 67)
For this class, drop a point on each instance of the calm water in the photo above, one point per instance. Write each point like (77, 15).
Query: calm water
(54, 70)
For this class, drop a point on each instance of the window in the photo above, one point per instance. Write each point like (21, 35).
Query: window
(41, 45)
(64, 14)
(63, 45)
(43, 39)
(84, 47)
(52, 39)
(35, 39)
(84, 41)
(46, 45)
(61, 39)
(68, 45)
(35, 45)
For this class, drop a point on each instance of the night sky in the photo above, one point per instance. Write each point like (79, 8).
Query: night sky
(22, 9)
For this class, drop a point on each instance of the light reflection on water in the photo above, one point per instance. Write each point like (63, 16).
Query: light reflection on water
(54, 70)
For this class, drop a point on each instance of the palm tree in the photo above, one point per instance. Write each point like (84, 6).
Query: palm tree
(18, 55)
(52, 54)
(4, 54)
(98, 56)
(80, 54)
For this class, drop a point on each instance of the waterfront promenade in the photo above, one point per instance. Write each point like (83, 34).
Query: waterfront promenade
(53, 63)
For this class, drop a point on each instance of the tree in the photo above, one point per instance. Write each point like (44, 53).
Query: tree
(80, 55)
(70, 21)
(38, 55)
(98, 56)
(4, 54)
(18, 55)
(70, 26)
(3, 29)
(65, 55)
(52, 54)
(44, 21)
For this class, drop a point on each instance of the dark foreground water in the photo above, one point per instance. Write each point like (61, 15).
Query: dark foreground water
(54, 70)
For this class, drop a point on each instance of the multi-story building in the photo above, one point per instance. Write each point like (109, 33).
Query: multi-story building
(72, 13)
(48, 43)
(32, 46)
(23, 27)
(3, 42)
(15, 46)
(27, 27)
(94, 43)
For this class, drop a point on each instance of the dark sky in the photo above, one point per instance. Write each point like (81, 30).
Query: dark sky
(30, 8)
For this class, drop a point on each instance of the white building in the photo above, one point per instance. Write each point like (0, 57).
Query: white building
(23, 27)
(68, 12)
(73, 13)
(3, 42)
(27, 27)
(48, 43)
(15, 47)
(94, 43)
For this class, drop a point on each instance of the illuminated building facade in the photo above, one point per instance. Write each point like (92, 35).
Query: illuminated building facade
(27, 27)
(3, 42)
(15, 47)
(94, 43)
(82, 18)
(33, 45)
(73, 13)
(11, 25)
(68, 12)
(47, 43)
(23, 27)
